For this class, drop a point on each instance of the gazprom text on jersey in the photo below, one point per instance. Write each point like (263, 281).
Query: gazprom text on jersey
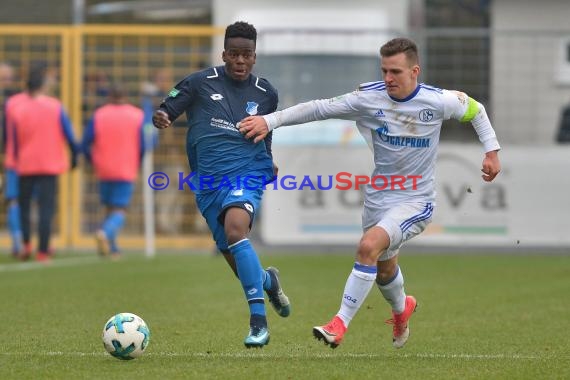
(412, 142)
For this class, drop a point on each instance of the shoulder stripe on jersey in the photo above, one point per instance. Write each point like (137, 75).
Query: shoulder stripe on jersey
(258, 86)
(378, 88)
(215, 74)
(431, 88)
(371, 85)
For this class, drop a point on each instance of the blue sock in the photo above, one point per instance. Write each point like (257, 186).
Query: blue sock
(14, 226)
(111, 226)
(250, 275)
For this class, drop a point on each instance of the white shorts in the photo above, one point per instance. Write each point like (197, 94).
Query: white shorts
(401, 221)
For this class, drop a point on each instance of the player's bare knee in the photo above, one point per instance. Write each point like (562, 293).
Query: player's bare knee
(234, 232)
(368, 251)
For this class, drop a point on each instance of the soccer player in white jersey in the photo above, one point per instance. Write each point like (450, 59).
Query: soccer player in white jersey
(401, 121)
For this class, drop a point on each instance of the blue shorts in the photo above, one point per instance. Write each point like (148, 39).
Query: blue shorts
(213, 206)
(10, 185)
(116, 193)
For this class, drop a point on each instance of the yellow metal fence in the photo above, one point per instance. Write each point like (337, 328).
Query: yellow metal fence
(148, 61)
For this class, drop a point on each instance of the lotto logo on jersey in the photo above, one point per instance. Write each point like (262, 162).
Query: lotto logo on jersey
(248, 207)
(216, 97)
(251, 108)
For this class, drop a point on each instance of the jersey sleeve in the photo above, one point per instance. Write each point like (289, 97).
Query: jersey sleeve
(459, 106)
(179, 98)
(340, 107)
(455, 104)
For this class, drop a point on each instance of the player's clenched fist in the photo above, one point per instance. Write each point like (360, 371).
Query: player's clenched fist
(160, 119)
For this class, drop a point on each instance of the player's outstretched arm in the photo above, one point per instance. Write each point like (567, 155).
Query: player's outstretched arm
(467, 109)
(160, 119)
(491, 166)
(253, 127)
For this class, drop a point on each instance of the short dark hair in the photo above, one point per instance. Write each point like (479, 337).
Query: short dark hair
(240, 29)
(36, 77)
(117, 92)
(401, 45)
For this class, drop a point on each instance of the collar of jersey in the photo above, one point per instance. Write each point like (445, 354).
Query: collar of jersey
(414, 93)
(234, 82)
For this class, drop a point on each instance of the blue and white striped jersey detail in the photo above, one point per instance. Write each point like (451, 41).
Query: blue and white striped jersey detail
(431, 88)
(425, 214)
(379, 85)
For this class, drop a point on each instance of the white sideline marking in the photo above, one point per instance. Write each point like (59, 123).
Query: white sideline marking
(310, 356)
(53, 264)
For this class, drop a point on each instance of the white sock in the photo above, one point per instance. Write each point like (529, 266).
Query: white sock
(394, 293)
(357, 287)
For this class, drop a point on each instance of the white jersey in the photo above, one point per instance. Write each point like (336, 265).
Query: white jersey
(402, 134)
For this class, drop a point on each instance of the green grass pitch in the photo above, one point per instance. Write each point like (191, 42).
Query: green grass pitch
(479, 317)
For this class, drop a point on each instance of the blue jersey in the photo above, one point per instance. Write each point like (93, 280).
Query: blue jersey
(214, 103)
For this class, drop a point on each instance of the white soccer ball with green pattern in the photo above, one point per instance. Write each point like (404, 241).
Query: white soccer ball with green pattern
(126, 336)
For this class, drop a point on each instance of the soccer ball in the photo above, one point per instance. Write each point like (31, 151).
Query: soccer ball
(126, 336)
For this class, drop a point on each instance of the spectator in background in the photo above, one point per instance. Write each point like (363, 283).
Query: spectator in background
(563, 136)
(41, 128)
(6, 78)
(114, 143)
(10, 177)
(170, 204)
(155, 90)
(95, 90)
(152, 94)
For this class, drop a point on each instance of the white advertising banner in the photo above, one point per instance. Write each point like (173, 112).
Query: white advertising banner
(528, 204)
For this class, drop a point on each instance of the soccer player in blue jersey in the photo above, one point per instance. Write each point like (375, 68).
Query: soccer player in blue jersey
(215, 100)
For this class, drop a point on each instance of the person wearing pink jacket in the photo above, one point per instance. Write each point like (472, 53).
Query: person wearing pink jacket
(114, 144)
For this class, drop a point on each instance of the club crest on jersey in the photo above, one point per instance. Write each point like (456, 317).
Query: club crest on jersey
(426, 115)
(251, 108)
